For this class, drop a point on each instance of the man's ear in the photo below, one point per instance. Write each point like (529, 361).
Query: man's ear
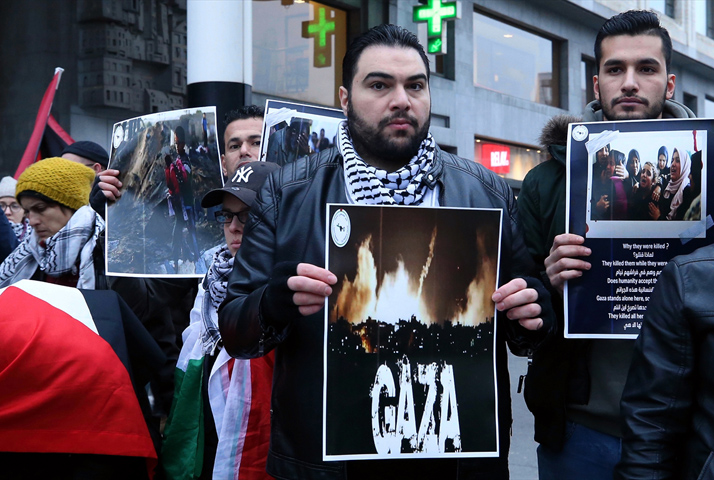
(223, 165)
(344, 99)
(596, 87)
(671, 77)
(97, 167)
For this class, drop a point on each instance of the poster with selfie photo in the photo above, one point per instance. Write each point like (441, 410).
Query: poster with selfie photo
(295, 130)
(637, 192)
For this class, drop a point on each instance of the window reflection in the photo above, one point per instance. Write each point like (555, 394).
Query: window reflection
(513, 61)
(508, 160)
(284, 63)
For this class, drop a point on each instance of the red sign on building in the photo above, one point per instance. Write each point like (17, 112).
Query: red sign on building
(496, 157)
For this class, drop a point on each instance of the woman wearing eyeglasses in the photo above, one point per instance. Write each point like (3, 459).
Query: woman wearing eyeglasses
(13, 210)
(236, 439)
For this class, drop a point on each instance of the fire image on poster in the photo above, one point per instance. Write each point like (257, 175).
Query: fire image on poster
(637, 192)
(410, 333)
(167, 162)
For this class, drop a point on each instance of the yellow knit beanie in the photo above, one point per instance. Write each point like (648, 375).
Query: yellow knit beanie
(64, 181)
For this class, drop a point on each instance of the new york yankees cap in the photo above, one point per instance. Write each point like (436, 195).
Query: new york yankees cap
(243, 185)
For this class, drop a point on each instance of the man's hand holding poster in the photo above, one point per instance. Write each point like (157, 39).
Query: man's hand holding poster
(637, 193)
(409, 342)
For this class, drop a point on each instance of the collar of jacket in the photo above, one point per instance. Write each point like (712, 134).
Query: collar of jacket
(672, 109)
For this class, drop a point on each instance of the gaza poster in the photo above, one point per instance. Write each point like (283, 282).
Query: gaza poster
(410, 333)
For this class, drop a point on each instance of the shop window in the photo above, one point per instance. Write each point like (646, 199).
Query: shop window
(709, 107)
(511, 60)
(691, 102)
(663, 6)
(288, 65)
(588, 69)
(704, 17)
(508, 160)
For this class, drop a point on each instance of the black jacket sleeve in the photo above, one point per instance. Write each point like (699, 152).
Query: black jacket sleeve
(657, 400)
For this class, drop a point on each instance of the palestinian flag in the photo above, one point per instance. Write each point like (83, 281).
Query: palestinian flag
(71, 363)
(48, 138)
(238, 393)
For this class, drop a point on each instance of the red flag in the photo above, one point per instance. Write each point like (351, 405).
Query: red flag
(48, 138)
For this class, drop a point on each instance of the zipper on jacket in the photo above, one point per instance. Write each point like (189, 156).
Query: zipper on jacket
(522, 378)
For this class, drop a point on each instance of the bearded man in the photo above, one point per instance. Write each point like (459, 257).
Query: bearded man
(276, 293)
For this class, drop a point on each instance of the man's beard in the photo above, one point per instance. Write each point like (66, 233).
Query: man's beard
(371, 142)
(651, 111)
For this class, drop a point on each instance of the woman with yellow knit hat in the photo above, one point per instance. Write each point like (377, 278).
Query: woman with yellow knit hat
(63, 247)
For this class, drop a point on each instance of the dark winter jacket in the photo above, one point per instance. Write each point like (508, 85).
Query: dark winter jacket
(287, 224)
(668, 402)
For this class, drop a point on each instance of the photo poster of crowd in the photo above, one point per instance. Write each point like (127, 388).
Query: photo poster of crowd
(167, 162)
(637, 192)
(410, 333)
(296, 130)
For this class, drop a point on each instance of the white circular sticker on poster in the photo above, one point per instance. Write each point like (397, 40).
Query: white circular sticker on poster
(580, 133)
(340, 228)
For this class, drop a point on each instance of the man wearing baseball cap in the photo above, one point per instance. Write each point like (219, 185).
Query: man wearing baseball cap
(250, 380)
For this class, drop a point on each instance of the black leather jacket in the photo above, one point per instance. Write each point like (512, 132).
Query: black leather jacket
(668, 402)
(287, 223)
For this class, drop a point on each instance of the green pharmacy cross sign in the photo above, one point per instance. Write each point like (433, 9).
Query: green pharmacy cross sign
(321, 29)
(434, 13)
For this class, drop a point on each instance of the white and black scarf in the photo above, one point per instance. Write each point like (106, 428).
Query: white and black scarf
(22, 230)
(372, 186)
(214, 283)
(75, 241)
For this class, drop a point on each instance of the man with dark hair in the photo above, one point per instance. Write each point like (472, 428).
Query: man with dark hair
(573, 387)
(384, 155)
(243, 129)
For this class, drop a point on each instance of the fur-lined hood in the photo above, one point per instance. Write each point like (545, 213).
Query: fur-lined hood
(554, 136)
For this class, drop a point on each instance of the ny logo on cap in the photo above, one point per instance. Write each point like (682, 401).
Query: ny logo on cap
(243, 174)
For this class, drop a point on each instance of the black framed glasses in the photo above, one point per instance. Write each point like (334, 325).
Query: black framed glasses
(14, 207)
(224, 216)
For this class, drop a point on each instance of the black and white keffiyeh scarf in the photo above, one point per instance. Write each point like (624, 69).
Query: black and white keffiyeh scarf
(75, 241)
(214, 284)
(372, 186)
(21, 230)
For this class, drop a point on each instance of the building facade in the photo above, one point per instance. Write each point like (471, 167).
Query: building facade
(509, 66)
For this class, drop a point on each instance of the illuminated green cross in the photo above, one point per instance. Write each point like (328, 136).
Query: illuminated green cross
(434, 13)
(322, 30)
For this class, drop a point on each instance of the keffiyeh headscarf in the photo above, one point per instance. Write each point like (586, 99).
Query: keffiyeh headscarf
(75, 241)
(676, 188)
(214, 283)
(372, 186)
(21, 230)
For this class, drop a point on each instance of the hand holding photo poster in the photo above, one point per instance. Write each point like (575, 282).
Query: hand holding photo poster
(637, 192)
(292, 131)
(167, 162)
(409, 343)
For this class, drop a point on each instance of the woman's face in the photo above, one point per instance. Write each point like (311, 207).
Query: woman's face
(633, 165)
(646, 177)
(12, 209)
(676, 169)
(662, 161)
(47, 218)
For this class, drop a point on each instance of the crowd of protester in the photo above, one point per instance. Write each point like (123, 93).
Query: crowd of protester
(210, 365)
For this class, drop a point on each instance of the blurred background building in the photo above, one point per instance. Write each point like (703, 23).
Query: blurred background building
(510, 64)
